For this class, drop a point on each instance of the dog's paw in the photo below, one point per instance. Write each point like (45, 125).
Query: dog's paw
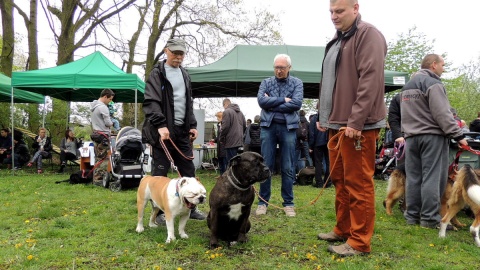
(213, 245)
(233, 243)
(152, 225)
(170, 239)
(139, 229)
(184, 235)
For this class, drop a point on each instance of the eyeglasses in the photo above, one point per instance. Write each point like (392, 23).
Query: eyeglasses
(281, 68)
(177, 53)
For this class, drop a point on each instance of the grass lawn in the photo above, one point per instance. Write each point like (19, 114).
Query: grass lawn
(60, 226)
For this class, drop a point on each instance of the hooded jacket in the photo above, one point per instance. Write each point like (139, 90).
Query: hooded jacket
(358, 94)
(233, 126)
(425, 108)
(158, 105)
(100, 117)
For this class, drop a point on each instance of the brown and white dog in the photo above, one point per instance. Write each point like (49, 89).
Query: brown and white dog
(396, 190)
(466, 191)
(175, 197)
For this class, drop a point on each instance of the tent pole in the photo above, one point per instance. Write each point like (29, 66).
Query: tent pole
(11, 134)
(44, 105)
(136, 91)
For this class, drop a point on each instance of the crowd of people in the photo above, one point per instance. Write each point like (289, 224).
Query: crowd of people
(40, 149)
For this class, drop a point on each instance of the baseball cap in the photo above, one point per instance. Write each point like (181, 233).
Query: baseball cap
(176, 44)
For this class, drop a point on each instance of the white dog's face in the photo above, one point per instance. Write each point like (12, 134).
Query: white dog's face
(191, 191)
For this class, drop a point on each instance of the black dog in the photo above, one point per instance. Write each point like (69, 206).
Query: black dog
(232, 197)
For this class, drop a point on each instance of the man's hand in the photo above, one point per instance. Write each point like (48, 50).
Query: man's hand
(164, 133)
(193, 134)
(322, 129)
(463, 142)
(287, 99)
(353, 133)
(400, 140)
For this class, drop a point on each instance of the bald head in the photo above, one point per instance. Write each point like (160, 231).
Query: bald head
(435, 63)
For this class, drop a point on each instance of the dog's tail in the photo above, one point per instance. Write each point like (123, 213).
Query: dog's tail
(470, 182)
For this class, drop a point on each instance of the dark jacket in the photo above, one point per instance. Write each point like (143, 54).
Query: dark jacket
(6, 142)
(358, 97)
(220, 146)
(394, 117)
(21, 152)
(277, 90)
(158, 105)
(255, 135)
(317, 138)
(475, 125)
(233, 127)
(47, 147)
(425, 108)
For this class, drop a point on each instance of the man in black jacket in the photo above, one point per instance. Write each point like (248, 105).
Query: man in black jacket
(168, 108)
(475, 125)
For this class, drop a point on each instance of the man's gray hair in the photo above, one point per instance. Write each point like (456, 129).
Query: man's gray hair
(352, 2)
(284, 56)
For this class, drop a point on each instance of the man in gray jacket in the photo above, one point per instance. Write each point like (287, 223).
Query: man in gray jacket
(101, 124)
(233, 128)
(427, 124)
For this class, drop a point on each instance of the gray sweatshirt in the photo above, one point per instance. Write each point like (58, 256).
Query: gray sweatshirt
(100, 116)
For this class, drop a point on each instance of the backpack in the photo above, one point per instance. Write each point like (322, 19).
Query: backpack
(305, 176)
(302, 131)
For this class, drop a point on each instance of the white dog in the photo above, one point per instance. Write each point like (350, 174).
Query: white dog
(175, 197)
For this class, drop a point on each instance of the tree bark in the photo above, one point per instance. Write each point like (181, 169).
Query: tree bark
(8, 34)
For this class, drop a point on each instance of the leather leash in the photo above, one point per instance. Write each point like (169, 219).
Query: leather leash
(341, 135)
(167, 153)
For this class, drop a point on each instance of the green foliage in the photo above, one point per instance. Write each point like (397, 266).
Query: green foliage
(45, 227)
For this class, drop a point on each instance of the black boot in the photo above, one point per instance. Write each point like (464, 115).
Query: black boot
(318, 185)
(62, 168)
(197, 214)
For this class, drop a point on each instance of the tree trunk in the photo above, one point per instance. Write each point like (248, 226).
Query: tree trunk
(6, 58)
(32, 37)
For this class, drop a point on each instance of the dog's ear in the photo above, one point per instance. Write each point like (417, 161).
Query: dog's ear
(234, 161)
(183, 181)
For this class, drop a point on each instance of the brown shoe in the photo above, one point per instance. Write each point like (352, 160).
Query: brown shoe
(345, 250)
(330, 237)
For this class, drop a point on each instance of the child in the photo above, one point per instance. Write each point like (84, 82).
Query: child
(113, 110)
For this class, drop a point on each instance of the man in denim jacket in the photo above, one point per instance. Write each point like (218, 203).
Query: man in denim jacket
(280, 97)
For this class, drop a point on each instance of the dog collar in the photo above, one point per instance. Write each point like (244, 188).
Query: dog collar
(177, 194)
(233, 184)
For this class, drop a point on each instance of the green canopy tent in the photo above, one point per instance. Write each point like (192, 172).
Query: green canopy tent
(240, 72)
(82, 81)
(20, 96)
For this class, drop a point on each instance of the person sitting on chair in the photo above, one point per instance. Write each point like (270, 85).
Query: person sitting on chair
(68, 149)
(42, 146)
(20, 150)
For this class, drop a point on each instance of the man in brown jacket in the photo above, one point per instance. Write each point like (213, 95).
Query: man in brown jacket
(352, 108)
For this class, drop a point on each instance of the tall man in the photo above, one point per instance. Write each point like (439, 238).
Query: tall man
(427, 123)
(352, 100)
(168, 108)
(280, 97)
(101, 124)
(233, 128)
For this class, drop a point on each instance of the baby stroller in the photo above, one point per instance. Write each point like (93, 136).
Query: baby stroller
(126, 160)
(387, 161)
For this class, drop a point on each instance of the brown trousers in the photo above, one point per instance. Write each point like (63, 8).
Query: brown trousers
(352, 172)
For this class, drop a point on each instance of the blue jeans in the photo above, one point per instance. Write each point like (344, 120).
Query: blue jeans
(270, 137)
(229, 154)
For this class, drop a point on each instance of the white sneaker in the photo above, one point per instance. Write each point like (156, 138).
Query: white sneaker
(289, 211)
(261, 210)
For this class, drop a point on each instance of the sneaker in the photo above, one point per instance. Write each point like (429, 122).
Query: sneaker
(160, 219)
(345, 250)
(197, 214)
(29, 164)
(330, 237)
(39, 171)
(289, 211)
(261, 210)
